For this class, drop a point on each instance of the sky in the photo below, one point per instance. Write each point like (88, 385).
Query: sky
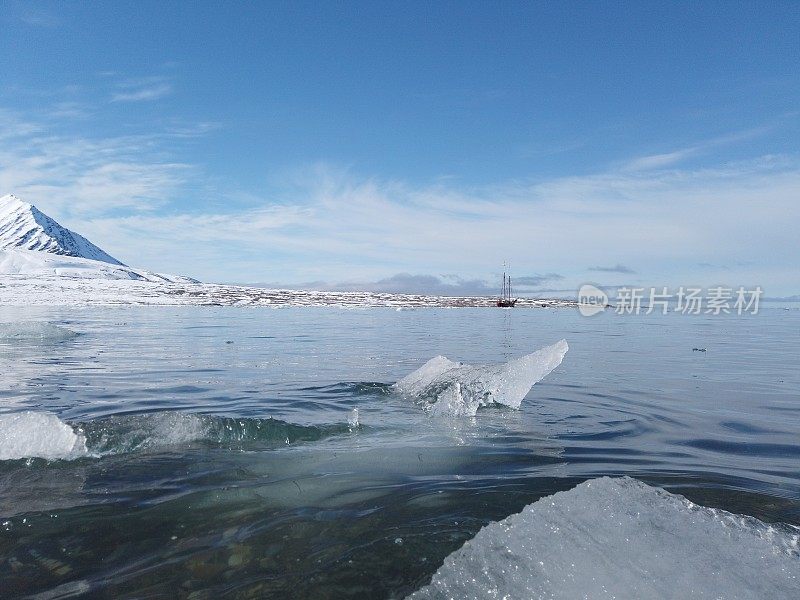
(414, 146)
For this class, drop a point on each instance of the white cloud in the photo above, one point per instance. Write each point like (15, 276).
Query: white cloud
(146, 93)
(660, 161)
(14, 128)
(340, 228)
(72, 177)
(142, 89)
(404, 283)
(128, 195)
(618, 268)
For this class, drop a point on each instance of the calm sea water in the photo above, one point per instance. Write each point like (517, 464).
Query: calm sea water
(225, 457)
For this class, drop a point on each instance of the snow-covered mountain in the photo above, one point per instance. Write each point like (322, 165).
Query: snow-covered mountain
(31, 243)
(25, 227)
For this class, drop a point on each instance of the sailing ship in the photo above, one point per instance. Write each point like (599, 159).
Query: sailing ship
(506, 300)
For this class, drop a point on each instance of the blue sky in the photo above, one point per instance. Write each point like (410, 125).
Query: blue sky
(349, 143)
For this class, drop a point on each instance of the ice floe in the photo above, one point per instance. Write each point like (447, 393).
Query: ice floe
(619, 538)
(450, 388)
(39, 435)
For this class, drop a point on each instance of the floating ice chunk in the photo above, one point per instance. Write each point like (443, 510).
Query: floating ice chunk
(34, 331)
(451, 388)
(619, 538)
(352, 420)
(416, 382)
(39, 435)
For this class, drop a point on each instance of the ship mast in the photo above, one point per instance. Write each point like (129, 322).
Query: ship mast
(505, 300)
(506, 282)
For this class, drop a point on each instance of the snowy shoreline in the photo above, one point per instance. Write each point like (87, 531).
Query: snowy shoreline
(60, 290)
(45, 264)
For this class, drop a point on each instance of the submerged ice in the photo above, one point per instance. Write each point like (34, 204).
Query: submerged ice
(451, 388)
(33, 434)
(619, 538)
(35, 331)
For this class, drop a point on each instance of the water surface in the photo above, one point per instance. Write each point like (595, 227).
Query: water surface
(223, 456)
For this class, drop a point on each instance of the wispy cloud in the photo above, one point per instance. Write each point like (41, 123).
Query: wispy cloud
(338, 227)
(322, 223)
(153, 92)
(14, 129)
(402, 283)
(422, 284)
(142, 90)
(667, 159)
(69, 110)
(536, 281)
(659, 161)
(34, 15)
(74, 175)
(618, 268)
(246, 227)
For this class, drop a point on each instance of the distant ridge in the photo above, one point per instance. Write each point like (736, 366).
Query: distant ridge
(25, 227)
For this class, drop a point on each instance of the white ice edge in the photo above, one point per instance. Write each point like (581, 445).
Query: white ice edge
(455, 389)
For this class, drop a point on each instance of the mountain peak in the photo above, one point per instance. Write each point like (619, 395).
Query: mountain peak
(25, 227)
